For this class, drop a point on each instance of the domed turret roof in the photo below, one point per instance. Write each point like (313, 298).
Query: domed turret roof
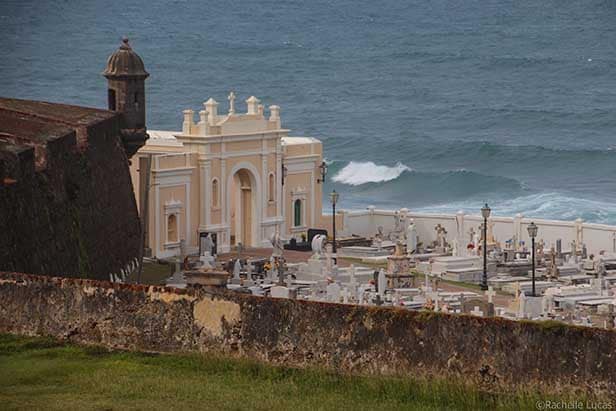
(125, 62)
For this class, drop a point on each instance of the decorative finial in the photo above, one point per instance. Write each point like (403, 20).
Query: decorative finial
(231, 99)
(125, 44)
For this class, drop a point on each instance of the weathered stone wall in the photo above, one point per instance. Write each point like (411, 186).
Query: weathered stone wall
(494, 354)
(72, 212)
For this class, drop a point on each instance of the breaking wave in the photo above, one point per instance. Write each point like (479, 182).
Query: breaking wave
(358, 173)
(552, 205)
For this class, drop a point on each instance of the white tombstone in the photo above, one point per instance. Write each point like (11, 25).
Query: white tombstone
(458, 242)
(352, 278)
(477, 312)
(547, 304)
(279, 291)
(517, 231)
(490, 293)
(329, 261)
(382, 283)
(237, 268)
(411, 238)
(530, 307)
(522, 305)
(579, 232)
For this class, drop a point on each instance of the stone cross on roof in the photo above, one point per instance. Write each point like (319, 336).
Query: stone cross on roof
(231, 99)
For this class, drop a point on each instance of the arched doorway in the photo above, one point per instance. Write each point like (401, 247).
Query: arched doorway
(243, 207)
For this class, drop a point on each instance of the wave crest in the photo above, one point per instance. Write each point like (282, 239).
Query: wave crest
(357, 173)
(551, 205)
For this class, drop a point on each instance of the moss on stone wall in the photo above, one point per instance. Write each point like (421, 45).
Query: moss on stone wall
(491, 354)
(78, 216)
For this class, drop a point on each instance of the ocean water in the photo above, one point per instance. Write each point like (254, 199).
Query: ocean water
(431, 105)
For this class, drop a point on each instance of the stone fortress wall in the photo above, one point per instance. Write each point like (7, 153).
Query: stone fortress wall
(596, 237)
(66, 201)
(491, 353)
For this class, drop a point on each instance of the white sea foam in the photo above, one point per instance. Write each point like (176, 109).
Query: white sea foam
(357, 173)
(540, 205)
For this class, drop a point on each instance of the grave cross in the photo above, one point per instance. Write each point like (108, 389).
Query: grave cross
(490, 293)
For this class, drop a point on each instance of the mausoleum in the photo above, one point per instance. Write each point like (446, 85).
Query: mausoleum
(236, 176)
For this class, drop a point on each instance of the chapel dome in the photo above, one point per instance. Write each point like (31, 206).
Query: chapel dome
(125, 62)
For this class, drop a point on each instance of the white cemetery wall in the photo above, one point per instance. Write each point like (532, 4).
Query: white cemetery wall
(597, 237)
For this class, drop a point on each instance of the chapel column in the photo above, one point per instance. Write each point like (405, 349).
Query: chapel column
(205, 194)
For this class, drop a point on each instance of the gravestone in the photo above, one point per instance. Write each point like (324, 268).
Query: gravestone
(482, 305)
(490, 293)
(398, 268)
(381, 283)
(207, 260)
(411, 238)
(476, 312)
(279, 291)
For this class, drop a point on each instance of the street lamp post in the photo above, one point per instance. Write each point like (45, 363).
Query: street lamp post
(323, 171)
(532, 232)
(333, 197)
(485, 213)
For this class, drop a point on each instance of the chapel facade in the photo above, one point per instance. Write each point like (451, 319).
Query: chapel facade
(237, 177)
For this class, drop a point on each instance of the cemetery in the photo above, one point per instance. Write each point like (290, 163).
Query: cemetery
(473, 272)
(412, 296)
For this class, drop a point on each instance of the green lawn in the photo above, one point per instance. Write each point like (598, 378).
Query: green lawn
(40, 373)
(153, 273)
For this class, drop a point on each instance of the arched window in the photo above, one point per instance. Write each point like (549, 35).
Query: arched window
(172, 229)
(272, 187)
(297, 213)
(215, 191)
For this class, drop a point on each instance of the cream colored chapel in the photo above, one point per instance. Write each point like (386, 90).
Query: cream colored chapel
(238, 176)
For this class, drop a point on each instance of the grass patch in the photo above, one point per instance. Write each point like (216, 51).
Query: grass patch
(153, 273)
(358, 261)
(39, 373)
